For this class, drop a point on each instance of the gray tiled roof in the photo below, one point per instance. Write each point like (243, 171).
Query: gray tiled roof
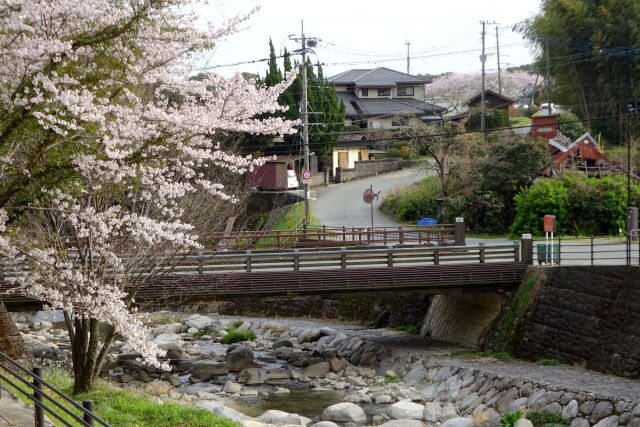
(386, 106)
(376, 77)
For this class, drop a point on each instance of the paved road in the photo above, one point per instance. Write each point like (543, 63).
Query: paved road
(342, 204)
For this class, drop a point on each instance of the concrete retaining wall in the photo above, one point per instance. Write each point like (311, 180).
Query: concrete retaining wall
(366, 168)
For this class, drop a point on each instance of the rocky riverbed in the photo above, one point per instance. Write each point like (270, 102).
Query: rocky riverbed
(305, 373)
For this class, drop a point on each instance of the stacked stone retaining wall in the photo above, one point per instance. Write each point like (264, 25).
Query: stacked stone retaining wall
(585, 315)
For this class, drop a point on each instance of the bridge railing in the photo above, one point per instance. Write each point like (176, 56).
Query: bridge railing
(604, 250)
(344, 258)
(441, 234)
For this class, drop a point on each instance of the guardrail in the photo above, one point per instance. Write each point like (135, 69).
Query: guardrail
(611, 250)
(45, 396)
(441, 234)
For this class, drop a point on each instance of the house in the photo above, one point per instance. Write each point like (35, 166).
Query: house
(278, 173)
(493, 100)
(382, 98)
(349, 149)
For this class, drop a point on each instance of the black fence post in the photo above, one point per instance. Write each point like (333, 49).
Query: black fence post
(88, 405)
(591, 250)
(459, 230)
(37, 396)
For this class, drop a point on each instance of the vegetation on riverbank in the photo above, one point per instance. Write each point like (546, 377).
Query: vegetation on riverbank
(120, 407)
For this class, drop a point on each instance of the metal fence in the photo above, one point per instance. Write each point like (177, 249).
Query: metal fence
(612, 250)
(46, 398)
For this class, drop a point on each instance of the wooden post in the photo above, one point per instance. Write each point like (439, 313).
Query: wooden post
(400, 235)
(343, 258)
(278, 239)
(344, 233)
(482, 254)
(516, 251)
(526, 249)
(459, 230)
(389, 256)
(436, 255)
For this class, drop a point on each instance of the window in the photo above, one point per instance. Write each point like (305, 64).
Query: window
(405, 91)
(364, 92)
(384, 92)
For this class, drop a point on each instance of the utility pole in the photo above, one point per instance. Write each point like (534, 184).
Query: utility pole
(483, 58)
(408, 43)
(498, 54)
(305, 126)
(304, 113)
(546, 78)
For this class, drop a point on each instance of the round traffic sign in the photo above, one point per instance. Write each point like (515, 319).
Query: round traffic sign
(306, 175)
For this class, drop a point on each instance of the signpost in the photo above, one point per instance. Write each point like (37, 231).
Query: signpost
(549, 227)
(369, 196)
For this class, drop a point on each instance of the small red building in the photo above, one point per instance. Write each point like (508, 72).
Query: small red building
(273, 174)
(544, 126)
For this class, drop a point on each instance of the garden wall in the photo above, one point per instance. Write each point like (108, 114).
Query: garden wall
(366, 168)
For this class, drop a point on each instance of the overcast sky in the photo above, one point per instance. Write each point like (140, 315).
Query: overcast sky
(444, 35)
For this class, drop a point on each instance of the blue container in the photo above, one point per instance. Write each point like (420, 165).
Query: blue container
(427, 221)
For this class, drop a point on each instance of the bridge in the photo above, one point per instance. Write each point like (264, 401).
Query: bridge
(419, 263)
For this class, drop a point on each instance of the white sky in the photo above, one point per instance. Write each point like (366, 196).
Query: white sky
(354, 31)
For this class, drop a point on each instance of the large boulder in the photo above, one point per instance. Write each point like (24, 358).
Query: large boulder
(252, 376)
(344, 412)
(221, 410)
(316, 370)
(403, 423)
(283, 342)
(274, 416)
(200, 322)
(405, 410)
(204, 370)
(458, 422)
(432, 412)
(240, 358)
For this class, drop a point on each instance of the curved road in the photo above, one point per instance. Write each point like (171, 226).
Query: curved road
(342, 204)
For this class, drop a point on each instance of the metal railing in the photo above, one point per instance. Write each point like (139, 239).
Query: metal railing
(46, 397)
(612, 250)
(441, 234)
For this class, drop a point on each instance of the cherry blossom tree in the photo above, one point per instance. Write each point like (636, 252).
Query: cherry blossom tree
(454, 90)
(102, 136)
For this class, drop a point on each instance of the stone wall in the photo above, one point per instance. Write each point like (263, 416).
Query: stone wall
(464, 319)
(366, 168)
(584, 315)
(382, 309)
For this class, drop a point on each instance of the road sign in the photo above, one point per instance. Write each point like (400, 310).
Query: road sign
(306, 177)
(549, 224)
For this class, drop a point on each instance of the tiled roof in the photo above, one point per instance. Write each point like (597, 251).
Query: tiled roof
(376, 77)
(386, 106)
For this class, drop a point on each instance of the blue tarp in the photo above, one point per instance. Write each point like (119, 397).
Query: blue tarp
(427, 221)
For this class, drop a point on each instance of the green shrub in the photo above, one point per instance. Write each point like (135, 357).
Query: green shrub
(493, 119)
(237, 323)
(549, 362)
(510, 419)
(233, 336)
(542, 418)
(583, 206)
(414, 202)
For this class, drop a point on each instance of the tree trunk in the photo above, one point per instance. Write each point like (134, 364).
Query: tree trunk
(88, 353)
(11, 342)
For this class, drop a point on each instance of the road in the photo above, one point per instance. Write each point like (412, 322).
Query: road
(342, 204)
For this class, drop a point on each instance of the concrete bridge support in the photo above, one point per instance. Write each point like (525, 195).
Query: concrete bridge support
(464, 318)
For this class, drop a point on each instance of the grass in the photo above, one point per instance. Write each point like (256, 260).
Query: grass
(543, 418)
(409, 329)
(389, 379)
(237, 323)
(233, 336)
(290, 221)
(481, 354)
(519, 121)
(549, 362)
(510, 418)
(125, 408)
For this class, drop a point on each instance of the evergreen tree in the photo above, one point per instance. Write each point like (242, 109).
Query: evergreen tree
(274, 76)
